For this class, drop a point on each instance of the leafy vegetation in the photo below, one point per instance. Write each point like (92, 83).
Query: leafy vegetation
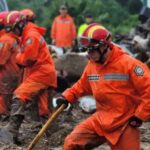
(119, 16)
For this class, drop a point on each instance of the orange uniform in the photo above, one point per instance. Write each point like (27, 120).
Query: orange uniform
(63, 31)
(9, 71)
(2, 32)
(39, 72)
(121, 87)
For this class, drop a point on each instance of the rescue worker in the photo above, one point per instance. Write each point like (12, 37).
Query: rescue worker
(31, 17)
(9, 70)
(29, 14)
(63, 32)
(121, 86)
(39, 70)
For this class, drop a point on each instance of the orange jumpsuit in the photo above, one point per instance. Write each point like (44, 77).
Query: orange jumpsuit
(2, 32)
(39, 72)
(121, 87)
(63, 31)
(9, 71)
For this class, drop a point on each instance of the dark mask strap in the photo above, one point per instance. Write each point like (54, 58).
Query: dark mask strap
(1, 26)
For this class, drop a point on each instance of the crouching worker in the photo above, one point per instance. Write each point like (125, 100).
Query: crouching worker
(39, 70)
(121, 87)
(9, 70)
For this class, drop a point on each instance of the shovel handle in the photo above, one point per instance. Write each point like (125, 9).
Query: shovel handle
(45, 127)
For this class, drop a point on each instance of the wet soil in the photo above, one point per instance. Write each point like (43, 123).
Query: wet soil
(60, 128)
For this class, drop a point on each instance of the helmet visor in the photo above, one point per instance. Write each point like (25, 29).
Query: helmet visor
(85, 41)
(90, 45)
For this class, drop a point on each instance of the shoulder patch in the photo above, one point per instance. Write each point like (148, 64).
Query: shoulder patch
(1, 45)
(139, 71)
(29, 41)
(22, 48)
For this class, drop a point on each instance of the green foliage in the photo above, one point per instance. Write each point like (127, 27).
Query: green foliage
(137, 6)
(116, 15)
(127, 24)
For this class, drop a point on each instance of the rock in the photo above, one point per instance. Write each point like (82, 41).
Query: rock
(87, 104)
(72, 63)
(140, 43)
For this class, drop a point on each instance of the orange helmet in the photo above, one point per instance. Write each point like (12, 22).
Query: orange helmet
(95, 34)
(14, 18)
(3, 15)
(96, 38)
(29, 14)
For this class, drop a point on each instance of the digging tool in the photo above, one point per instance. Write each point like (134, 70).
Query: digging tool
(45, 127)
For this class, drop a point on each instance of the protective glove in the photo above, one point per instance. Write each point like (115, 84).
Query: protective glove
(61, 100)
(135, 122)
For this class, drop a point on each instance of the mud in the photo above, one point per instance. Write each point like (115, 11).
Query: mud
(63, 125)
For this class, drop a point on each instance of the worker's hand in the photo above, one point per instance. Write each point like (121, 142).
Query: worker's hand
(135, 122)
(61, 100)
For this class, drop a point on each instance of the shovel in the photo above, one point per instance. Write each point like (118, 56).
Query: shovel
(45, 127)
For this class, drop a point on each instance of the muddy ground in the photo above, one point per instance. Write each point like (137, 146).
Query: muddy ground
(62, 126)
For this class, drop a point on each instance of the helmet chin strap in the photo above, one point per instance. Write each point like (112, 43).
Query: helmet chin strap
(1, 26)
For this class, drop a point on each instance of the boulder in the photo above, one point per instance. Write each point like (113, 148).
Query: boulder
(72, 64)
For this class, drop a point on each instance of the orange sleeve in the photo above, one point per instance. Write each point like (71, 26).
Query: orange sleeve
(53, 30)
(80, 88)
(29, 51)
(140, 76)
(5, 52)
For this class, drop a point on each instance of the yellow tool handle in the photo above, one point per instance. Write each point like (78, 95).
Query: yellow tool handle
(45, 127)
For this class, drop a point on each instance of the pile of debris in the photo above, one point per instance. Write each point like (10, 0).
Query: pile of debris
(137, 42)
